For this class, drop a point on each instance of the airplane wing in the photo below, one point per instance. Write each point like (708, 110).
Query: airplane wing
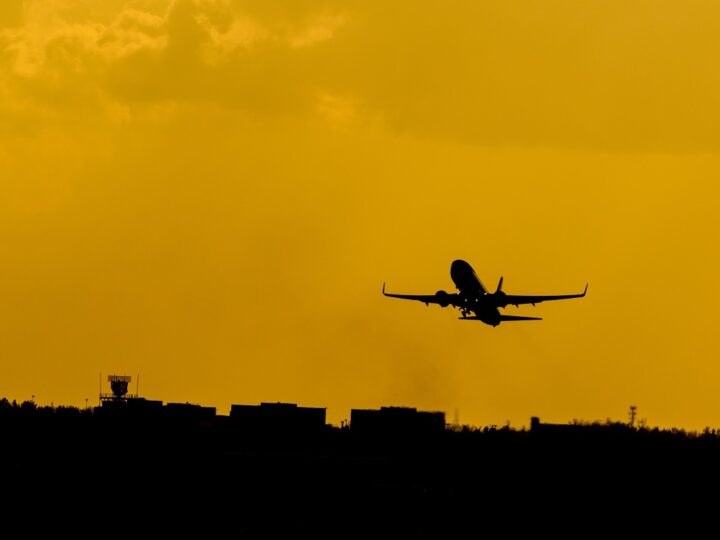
(516, 300)
(441, 298)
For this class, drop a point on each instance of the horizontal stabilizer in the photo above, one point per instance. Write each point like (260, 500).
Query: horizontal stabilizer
(503, 318)
(518, 318)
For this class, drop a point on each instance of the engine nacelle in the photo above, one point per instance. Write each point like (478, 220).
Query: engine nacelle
(443, 298)
(500, 299)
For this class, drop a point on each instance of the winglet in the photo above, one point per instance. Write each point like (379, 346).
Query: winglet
(384, 288)
(585, 291)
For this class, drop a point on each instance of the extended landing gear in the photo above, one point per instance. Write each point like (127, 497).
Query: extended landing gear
(464, 312)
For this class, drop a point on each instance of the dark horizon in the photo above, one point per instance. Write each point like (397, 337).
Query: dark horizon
(267, 470)
(139, 408)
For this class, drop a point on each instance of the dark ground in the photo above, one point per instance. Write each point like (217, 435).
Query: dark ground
(72, 469)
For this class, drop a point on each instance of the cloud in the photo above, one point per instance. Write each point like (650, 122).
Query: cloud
(317, 30)
(133, 31)
(603, 75)
(193, 50)
(242, 33)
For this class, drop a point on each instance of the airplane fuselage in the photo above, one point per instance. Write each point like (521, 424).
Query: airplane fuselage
(485, 312)
(473, 294)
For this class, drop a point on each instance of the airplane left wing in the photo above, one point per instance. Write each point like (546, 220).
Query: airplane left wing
(516, 300)
(441, 298)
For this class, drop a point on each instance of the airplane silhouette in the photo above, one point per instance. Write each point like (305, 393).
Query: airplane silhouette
(474, 298)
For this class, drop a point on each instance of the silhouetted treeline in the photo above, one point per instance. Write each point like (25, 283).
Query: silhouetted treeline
(180, 470)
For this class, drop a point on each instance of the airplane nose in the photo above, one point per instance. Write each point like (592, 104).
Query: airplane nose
(460, 268)
(465, 278)
(459, 264)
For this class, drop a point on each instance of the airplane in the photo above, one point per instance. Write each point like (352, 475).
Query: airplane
(474, 300)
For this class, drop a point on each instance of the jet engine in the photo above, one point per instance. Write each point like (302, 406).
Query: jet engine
(443, 298)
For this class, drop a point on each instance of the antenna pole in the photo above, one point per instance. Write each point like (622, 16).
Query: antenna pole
(633, 413)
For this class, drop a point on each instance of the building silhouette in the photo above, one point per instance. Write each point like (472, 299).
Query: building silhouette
(189, 411)
(278, 417)
(396, 421)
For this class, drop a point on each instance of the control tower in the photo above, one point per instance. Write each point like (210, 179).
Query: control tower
(119, 389)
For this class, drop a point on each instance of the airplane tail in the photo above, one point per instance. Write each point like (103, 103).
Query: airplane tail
(499, 289)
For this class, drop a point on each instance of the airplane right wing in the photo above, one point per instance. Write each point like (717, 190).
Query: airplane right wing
(440, 298)
(516, 299)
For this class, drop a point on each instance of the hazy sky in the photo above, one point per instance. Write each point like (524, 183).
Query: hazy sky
(211, 193)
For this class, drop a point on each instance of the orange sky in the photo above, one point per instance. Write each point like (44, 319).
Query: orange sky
(212, 192)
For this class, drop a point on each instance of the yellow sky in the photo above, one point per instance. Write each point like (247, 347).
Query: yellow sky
(212, 192)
